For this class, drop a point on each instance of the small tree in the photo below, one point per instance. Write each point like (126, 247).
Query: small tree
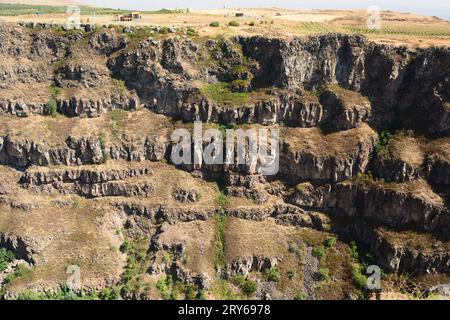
(51, 108)
(273, 274)
(249, 287)
(324, 274)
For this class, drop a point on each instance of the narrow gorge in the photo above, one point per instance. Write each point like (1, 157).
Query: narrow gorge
(86, 176)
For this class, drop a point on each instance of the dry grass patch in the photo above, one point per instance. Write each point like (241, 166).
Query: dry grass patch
(423, 242)
(66, 236)
(253, 238)
(339, 144)
(134, 126)
(198, 239)
(349, 97)
(417, 188)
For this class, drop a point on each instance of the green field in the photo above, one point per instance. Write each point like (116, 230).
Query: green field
(392, 30)
(386, 30)
(24, 9)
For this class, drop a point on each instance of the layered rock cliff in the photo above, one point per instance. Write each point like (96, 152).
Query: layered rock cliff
(85, 125)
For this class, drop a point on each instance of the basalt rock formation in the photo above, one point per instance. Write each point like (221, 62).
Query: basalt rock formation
(87, 177)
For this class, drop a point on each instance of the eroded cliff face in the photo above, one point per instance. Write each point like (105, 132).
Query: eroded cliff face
(164, 76)
(85, 124)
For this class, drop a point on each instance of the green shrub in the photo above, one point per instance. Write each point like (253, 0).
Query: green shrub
(319, 252)
(20, 271)
(220, 240)
(51, 108)
(273, 274)
(163, 288)
(239, 85)
(234, 23)
(324, 274)
(190, 291)
(191, 32)
(249, 287)
(353, 251)
(119, 84)
(299, 251)
(167, 257)
(118, 115)
(164, 30)
(117, 122)
(364, 178)
(102, 140)
(293, 247)
(301, 187)
(330, 241)
(290, 274)
(214, 24)
(138, 35)
(126, 246)
(222, 93)
(110, 293)
(201, 294)
(252, 24)
(222, 200)
(31, 295)
(359, 278)
(55, 91)
(301, 296)
(65, 293)
(383, 142)
(222, 290)
(6, 257)
(77, 204)
(172, 290)
(239, 280)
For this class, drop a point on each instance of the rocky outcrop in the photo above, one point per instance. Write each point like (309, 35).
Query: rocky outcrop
(400, 259)
(291, 109)
(84, 176)
(309, 196)
(95, 107)
(439, 172)
(72, 106)
(78, 151)
(21, 109)
(107, 42)
(333, 164)
(23, 153)
(114, 189)
(183, 196)
(344, 109)
(244, 265)
(89, 182)
(395, 170)
(284, 214)
(162, 213)
(396, 209)
(398, 252)
(24, 247)
(378, 72)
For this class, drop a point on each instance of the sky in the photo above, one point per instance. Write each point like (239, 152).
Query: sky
(440, 8)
